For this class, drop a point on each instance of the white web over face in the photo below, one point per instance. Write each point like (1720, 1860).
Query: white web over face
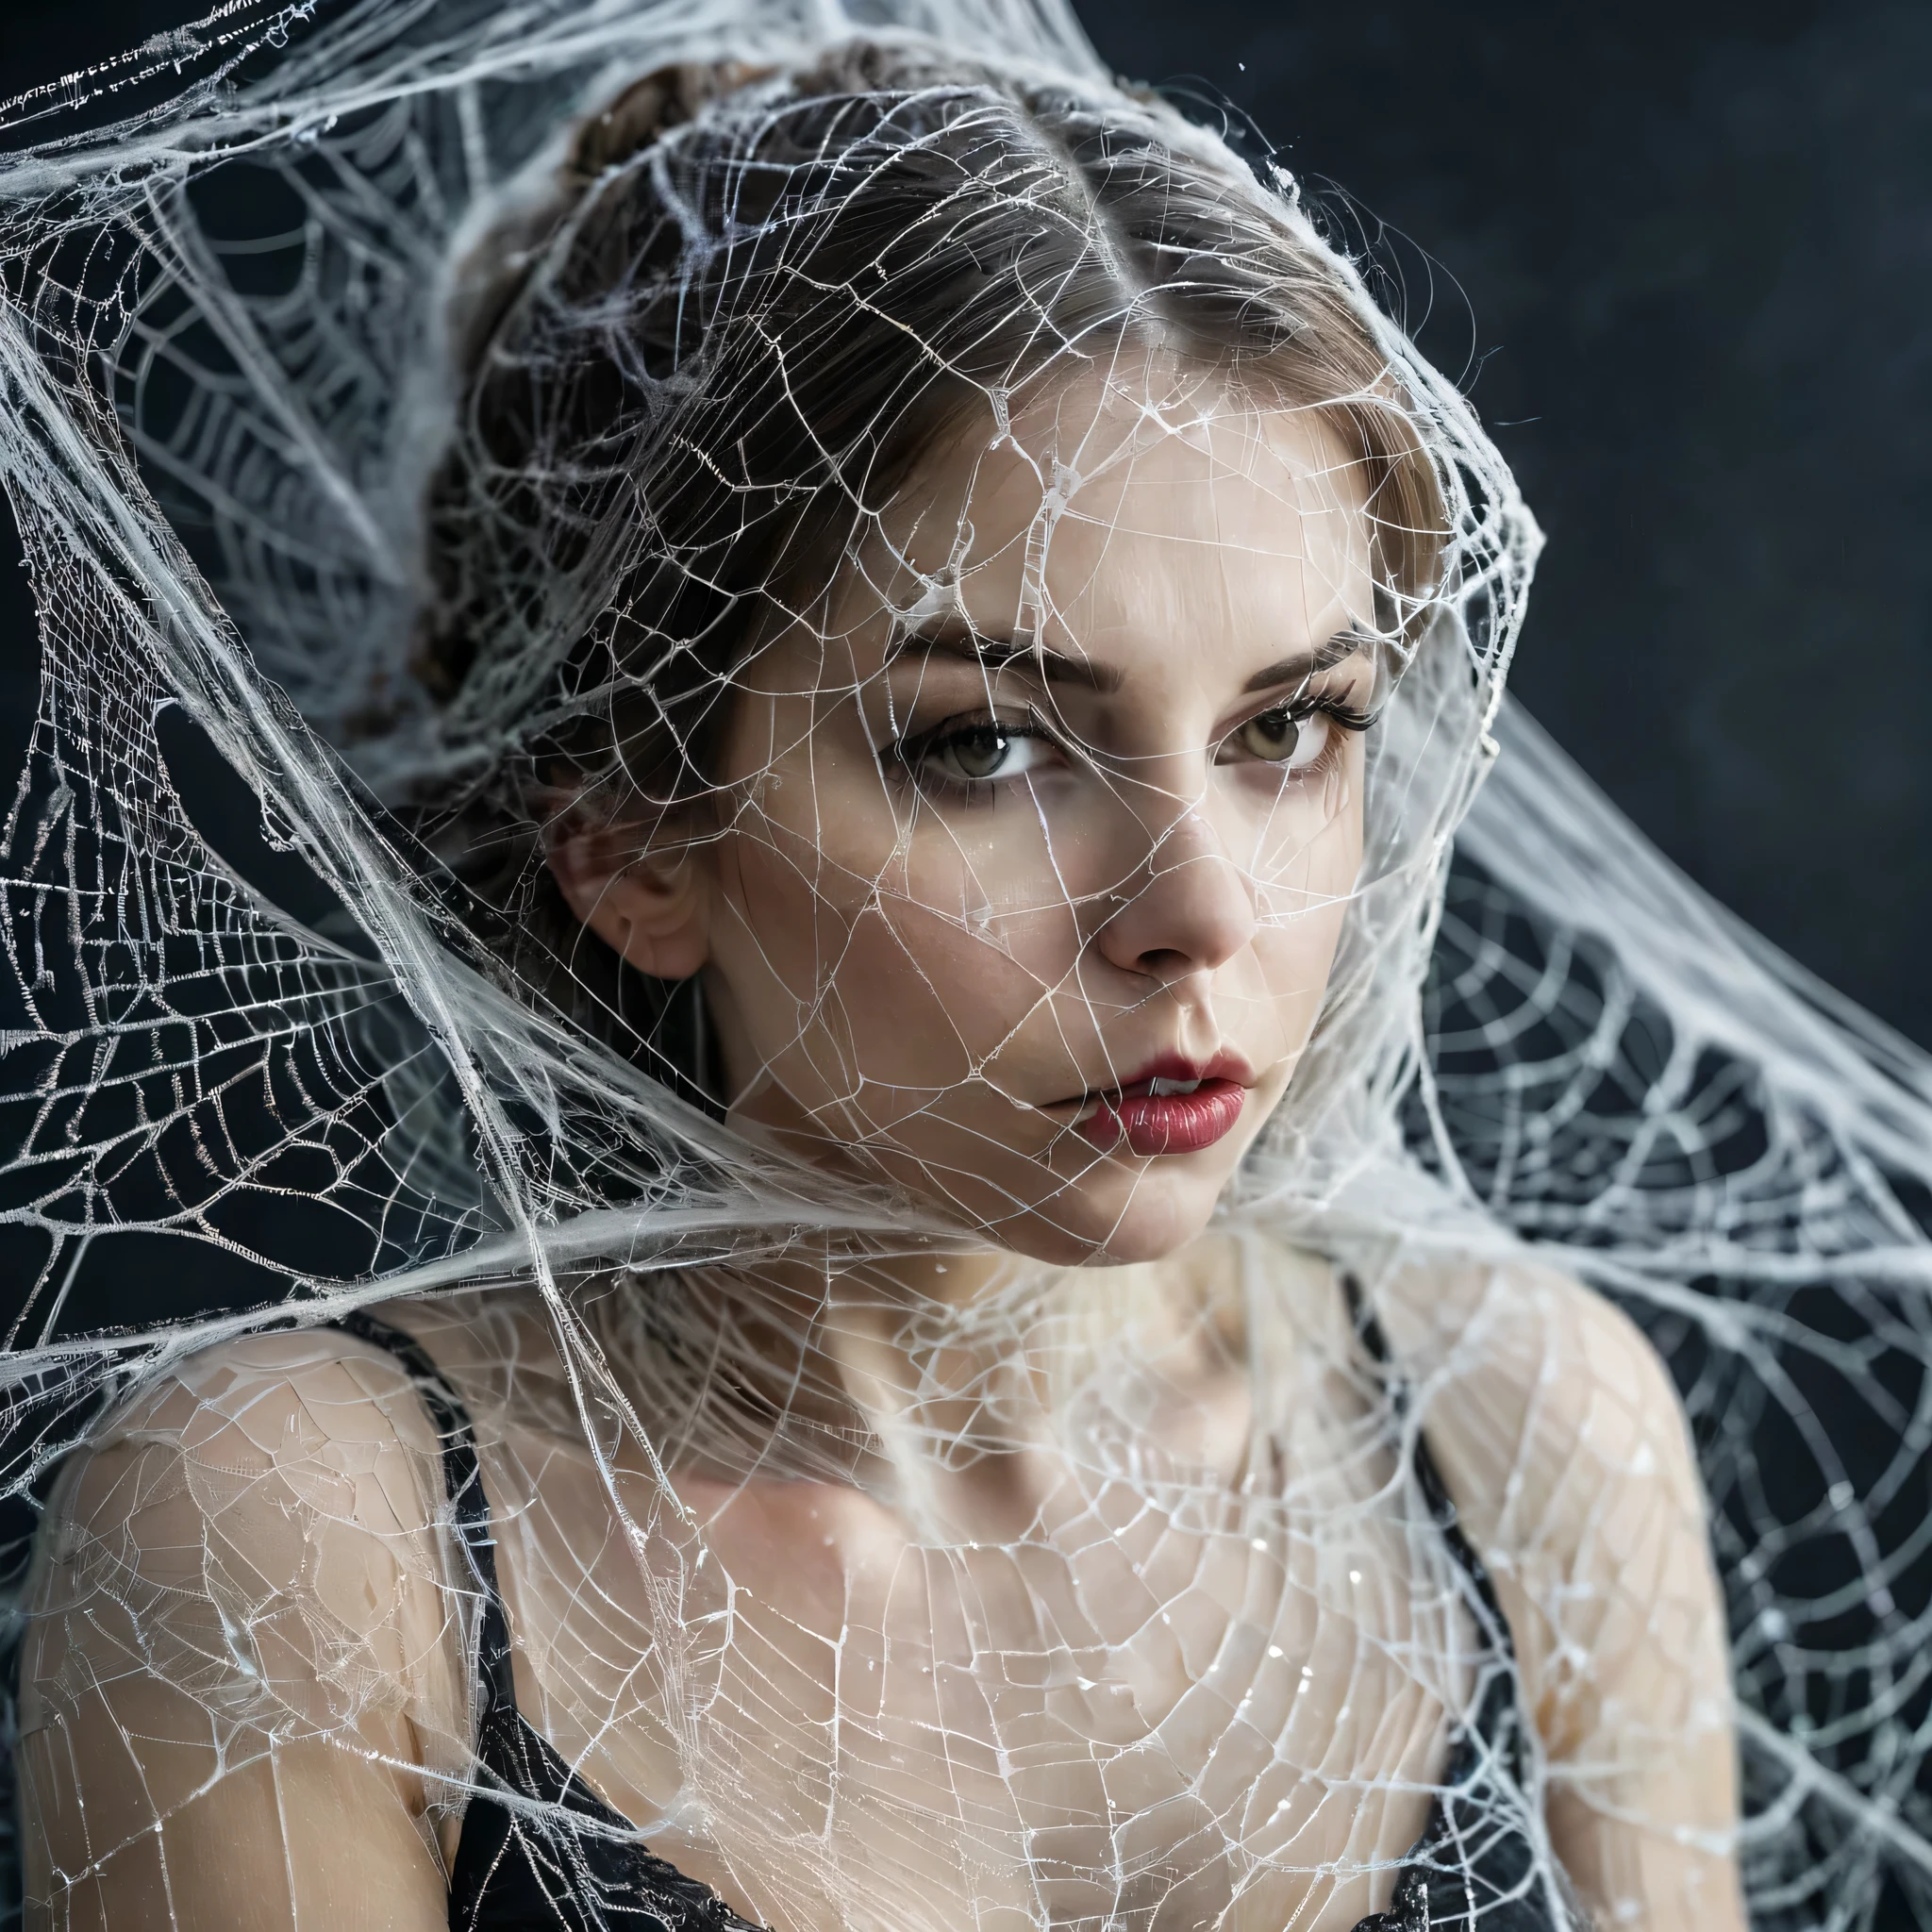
(747, 741)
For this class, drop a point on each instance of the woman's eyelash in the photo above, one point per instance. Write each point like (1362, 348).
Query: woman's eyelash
(915, 745)
(911, 755)
(1336, 710)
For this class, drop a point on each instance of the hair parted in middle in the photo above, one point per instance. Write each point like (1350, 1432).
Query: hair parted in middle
(755, 301)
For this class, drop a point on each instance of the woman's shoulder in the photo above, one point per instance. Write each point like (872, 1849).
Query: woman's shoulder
(351, 1388)
(252, 1539)
(337, 1411)
(284, 1488)
(1528, 1339)
(1560, 1434)
(258, 1404)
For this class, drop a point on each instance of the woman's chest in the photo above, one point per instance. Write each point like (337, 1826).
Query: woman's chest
(1150, 1696)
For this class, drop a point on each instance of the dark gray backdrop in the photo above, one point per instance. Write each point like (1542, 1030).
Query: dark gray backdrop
(1684, 259)
(1683, 254)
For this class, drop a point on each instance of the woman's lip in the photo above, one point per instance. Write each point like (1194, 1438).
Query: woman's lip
(1154, 1123)
(1224, 1065)
(1169, 1070)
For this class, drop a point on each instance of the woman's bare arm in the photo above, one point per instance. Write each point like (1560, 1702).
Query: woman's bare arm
(241, 1679)
(1560, 1435)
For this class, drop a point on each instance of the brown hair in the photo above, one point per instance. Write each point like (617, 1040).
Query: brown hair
(757, 300)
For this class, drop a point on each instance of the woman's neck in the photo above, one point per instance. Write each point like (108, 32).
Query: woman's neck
(857, 1369)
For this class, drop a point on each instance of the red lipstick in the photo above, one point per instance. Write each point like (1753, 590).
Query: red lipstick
(1174, 1106)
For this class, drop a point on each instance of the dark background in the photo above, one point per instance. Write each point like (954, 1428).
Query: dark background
(1683, 257)
(1684, 262)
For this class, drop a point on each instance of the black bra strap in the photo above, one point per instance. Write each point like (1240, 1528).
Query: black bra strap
(1441, 1506)
(1470, 1852)
(462, 1481)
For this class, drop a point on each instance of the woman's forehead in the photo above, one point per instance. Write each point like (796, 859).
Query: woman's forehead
(1108, 519)
(1195, 461)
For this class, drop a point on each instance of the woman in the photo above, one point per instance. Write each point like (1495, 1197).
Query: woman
(950, 640)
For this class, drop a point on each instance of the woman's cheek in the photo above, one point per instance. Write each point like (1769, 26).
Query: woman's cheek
(1306, 840)
(928, 998)
(954, 951)
(1302, 902)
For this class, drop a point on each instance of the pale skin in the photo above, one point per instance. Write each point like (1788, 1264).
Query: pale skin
(915, 981)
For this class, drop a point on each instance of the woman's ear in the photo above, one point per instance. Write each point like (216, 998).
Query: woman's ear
(650, 903)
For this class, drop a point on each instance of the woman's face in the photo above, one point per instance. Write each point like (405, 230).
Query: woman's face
(1052, 810)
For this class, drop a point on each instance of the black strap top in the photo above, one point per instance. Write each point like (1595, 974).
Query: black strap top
(541, 1852)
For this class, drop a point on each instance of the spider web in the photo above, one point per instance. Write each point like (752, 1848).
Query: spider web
(277, 1049)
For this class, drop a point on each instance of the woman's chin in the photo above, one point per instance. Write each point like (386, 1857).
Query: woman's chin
(1115, 1215)
(1063, 1204)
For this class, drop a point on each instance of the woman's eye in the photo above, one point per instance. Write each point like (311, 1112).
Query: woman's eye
(1282, 739)
(983, 751)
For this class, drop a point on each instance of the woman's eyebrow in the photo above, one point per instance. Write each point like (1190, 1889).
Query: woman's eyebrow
(1343, 646)
(950, 636)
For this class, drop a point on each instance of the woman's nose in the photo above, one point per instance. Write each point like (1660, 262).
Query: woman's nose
(1187, 908)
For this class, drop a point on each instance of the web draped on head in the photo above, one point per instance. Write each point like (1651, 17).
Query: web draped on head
(259, 1017)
